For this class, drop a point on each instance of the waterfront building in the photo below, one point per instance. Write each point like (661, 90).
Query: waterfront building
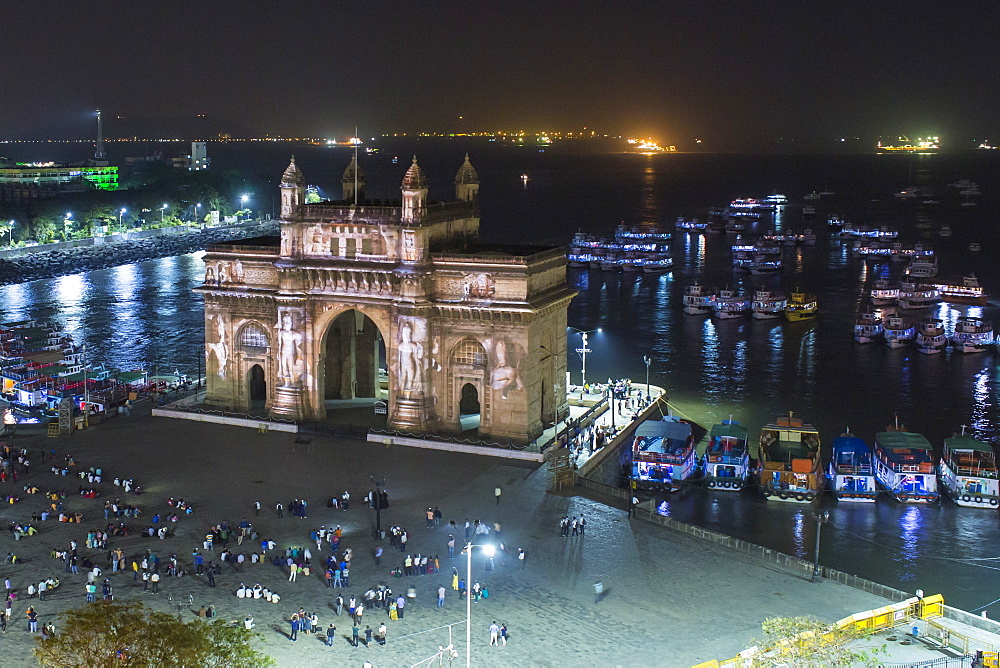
(20, 181)
(396, 301)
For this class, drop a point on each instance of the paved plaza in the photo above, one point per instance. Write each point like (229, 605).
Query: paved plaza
(668, 599)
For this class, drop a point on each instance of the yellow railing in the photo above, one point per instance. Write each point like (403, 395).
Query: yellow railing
(868, 622)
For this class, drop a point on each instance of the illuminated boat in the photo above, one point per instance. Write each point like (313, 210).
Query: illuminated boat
(904, 466)
(868, 328)
(968, 472)
(913, 295)
(807, 238)
(801, 306)
(663, 454)
(903, 144)
(657, 265)
(767, 304)
(850, 474)
(641, 235)
(930, 338)
(727, 458)
(690, 225)
(777, 199)
(923, 265)
(972, 335)
(730, 304)
(884, 293)
(790, 468)
(698, 299)
(969, 292)
(735, 226)
(812, 197)
(898, 332)
(765, 265)
(579, 260)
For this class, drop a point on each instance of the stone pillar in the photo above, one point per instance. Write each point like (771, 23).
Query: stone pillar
(411, 394)
(292, 360)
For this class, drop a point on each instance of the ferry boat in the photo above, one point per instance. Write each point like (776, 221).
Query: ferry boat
(767, 304)
(913, 295)
(727, 458)
(579, 259)
(641, 235)
(749, 207)
(730, 304)
(904, 466)
(698, 300)
(690, 225)
(735, 226)
(968, 292)
(898, 332)
(923, 265)
(790, 467)
(968, 472)
(765, 265)
(850, 475)
(903, 144)
(811, 197)
(663, 454)
(868, 328)
(835, 221)
(657, 265)
(884, 293)
(972, 335)
(777, 199)
(801, 306)
(930, 336)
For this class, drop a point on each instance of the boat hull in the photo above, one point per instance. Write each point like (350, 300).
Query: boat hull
(854, 497)
(726, 484)
(790, 496)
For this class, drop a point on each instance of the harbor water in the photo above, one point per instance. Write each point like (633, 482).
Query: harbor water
(146, 315)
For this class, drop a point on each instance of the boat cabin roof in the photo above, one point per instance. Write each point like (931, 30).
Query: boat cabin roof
(730, 429)
(850, 445)
(957, 443)
(662, 436)
(902, 441)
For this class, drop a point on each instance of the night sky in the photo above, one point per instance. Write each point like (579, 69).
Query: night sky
(726, 71)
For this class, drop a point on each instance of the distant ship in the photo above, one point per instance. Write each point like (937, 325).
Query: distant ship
(903, 144)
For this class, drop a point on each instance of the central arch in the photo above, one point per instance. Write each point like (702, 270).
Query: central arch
(257, 386)
(353, 360)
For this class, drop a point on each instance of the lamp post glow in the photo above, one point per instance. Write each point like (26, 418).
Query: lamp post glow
(488, 550)
(163, 210)
(10, 231)
(66, 221)
(821, 519)
(121, 214)
(243, 200)
(647, 359)
(583, 350)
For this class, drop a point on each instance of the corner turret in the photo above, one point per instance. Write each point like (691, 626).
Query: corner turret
(414, 191)
(354, 177)
(293, 189)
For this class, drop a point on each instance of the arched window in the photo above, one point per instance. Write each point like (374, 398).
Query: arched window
(468, 352)
(253, 337)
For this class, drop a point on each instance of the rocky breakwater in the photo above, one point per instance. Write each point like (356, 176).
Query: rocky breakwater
(48, 264)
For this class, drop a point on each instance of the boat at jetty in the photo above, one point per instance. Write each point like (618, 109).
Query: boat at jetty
(767, 304)
(690, 225)
(968, 472)
(663, 454)
(850, 475)
(904, 466)
(972, 335)
(930, 338)
(731, 304)
(884, 293)
(898, 331)
(913, 295)
(763, 264)
(727, 458)
(801, 306)
(968, 291)
(868, 328)
(698, 299)
(790, 467)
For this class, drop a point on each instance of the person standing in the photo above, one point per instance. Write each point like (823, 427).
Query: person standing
(295, 628)
(256, 508)
(211, 574)
(400, 604)
(454, 579)
(355, 635)
(382, 631)
(441, 593)
(496, 493)
(598, 590)
(522, 556)
(503, 634)
(451, 547)
(368, 636)
(331, 634)
(280, 508)
(340, 605)
(32, 620)
(155, 579)
(378, 554)
(494, 635)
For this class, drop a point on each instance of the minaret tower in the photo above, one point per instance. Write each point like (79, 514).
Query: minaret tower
(466, 182)
(414, 190)
(354, 177)
(99, 153)
(293, 190)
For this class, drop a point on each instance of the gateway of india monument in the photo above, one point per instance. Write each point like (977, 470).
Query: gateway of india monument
(396, 301)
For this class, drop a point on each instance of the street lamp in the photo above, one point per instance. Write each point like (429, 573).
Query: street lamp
(583, 350)
(488, 550)
(243, 200)
(377, 502)
(163, 210)
(196, 207)
(821, 519)
(66, 222)
(121, 214)
(10, 231)
(647, 359)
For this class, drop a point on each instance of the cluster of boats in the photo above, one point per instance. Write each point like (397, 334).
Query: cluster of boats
(764, 305)
(631, 250)
(790, 467)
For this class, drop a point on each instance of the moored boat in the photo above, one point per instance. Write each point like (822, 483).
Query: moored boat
(868, 328)
(972, 335)
(914, 295)
(930, 338)
(663, 454)
(698, 299)
(801, 306)
(884, 293)
(968, 472)
(850, 474)
(790, 468)
(731, 304)
(968, 292)
(904, 466)
(767, 304)
(763, 264)
(727, 458)
(898, 332)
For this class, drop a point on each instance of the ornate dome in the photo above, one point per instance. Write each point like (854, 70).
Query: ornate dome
(467, 173)
(351, 169)
(414, 179)
(293, 176)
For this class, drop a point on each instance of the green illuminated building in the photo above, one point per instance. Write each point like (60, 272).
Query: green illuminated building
(22, 181)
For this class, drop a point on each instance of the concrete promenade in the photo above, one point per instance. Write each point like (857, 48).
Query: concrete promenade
(668, 599)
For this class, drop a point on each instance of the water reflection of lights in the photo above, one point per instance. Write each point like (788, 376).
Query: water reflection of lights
(649, 212)
(15, 299)
(798, 526)
(70, 290)
(909, 533)
(982, 407)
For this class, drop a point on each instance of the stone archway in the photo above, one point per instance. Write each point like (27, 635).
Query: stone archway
(257, 386)
(352, 362)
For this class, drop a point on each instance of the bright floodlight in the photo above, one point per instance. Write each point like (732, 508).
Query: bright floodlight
(164, 206)
(69, 214)
(123, 210)
(599, 329)
(244, 198)
(489, 550)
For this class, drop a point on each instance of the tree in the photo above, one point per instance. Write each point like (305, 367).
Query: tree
(807, 641)
(126, 634)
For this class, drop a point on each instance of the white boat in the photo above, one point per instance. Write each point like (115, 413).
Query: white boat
(930, 338)
(945, 231)
(850, 475)
(923, 265)
(868, 328)
(609, 263)
(690, 225)
(776, 199)
(975, 247)
(579, 260)
(767, 304)
(884, 293)
(904, 466)
(730, 304)
(727, 458)
(663, 454)
(657, 265)
(765, 265)
(972, 335)
(790, 466)
(811, 197)
(898, 332)
(698, 300)
(968, 472)
(914, 295)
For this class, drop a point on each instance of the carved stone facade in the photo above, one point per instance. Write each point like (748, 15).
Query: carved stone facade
(297, 322)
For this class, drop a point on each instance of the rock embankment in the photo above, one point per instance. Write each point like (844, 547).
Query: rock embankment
(75, 260)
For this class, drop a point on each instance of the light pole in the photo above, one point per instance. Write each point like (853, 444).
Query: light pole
(647, 359)
(10, 232)
(488, 550)
(121, 214)
(66, 222)
(377, 502)
(611, 399)
(821, 519)
(163, 210)
(243, 201)
(583, 350)
(196, 212)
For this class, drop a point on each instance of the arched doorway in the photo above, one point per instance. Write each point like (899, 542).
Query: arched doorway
(354, 360)
(468, 407)
(257, 386)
